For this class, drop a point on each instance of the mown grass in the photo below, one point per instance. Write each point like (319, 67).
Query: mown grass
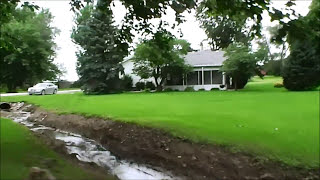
(20, 151)
(260, 119)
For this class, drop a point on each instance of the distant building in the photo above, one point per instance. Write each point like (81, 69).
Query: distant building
(205, 73)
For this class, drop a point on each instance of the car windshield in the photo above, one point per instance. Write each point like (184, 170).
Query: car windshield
(40, 85)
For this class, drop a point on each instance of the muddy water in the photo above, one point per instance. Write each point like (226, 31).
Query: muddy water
(88, 150)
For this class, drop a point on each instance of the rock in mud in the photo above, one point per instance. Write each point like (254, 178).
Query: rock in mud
(40, 174)
(4, 105)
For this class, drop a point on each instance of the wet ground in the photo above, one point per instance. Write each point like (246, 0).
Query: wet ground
(133, 152)
(88, 150)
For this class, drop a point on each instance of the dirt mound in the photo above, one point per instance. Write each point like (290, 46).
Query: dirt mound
(159, 149)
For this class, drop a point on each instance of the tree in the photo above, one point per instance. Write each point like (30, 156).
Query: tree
(301, 70)
(28, 52)
(99, 57)
(241, 63)
(159, 57)
(222, 31)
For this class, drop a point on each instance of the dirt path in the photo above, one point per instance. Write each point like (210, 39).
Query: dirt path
(182, 157)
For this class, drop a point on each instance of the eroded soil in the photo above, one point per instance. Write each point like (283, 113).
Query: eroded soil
(159, 149)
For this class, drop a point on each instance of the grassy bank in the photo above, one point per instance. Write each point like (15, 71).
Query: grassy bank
(20, 151)
(267, 121)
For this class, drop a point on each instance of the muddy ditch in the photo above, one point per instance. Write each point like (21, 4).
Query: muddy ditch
(131, 151)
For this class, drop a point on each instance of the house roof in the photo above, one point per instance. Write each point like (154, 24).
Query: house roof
(199, 58)
(205, 58)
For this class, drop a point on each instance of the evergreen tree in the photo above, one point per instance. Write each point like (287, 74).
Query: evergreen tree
(99, 58)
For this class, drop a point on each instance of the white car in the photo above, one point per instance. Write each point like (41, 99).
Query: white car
(43, 88)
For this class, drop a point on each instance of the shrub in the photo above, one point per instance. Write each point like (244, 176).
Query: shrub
(301, 70)
(127, 83)
(214, 89)
(147, 90)
(189, 89)
(140, 86)
(168, 90)
(278, 85)
(202, 89)
(150, 85)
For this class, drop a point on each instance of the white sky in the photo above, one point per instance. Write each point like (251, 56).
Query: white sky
(63, 20)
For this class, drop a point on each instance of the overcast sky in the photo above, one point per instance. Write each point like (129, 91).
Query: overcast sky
(63, 20)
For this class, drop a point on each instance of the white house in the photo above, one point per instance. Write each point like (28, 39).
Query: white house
(205, 74)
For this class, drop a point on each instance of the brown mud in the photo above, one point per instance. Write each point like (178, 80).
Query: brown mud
(159, 149)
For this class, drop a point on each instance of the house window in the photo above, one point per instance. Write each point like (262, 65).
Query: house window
(216, 77)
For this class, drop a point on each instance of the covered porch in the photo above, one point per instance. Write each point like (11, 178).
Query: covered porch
(206, 78)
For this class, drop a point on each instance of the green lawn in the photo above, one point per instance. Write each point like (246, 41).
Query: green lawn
(20, 151)
(263, 120)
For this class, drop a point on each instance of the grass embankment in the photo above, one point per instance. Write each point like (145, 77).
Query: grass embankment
(20, 151)
(269, 122)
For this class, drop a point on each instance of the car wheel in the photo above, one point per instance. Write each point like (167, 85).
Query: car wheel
(55, 91)
(42, 92)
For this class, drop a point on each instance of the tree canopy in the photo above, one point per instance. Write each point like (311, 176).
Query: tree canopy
(242, 63)
(99, 57)
(28, 48)
(301, 70)
(160, 56)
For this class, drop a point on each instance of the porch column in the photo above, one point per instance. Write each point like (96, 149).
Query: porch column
(223, 78)
(202, 76)
(183, 80)
(186, 79)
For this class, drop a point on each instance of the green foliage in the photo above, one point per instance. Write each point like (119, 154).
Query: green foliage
(168, 90)
(241, 63)
(189, 89)
(159, 57)
(214, 89)
(222, 31)
(301, 70)
(127, 83)
(202, 89)
(150, 85)
(140, 86)
(100, 55)
(273, 67)
(27, 48)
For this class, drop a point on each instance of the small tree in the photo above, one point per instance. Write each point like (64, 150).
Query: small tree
(160, 56)
(241, 63)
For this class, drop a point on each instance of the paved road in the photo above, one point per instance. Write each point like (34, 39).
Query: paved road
(24, 94)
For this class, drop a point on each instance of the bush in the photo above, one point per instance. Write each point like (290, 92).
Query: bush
(150, 85)
(222, 86)
(140, 86)
(189, 89)
(168, 90)
(278, 85)
(127, 83)
(147, 90)
(214, 89)
(301, 70)
(273, 67)
(202, 89)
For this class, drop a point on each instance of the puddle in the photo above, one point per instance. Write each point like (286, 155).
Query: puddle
(88, 150)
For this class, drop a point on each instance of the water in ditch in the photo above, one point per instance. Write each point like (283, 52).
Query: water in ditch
(88, 150)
